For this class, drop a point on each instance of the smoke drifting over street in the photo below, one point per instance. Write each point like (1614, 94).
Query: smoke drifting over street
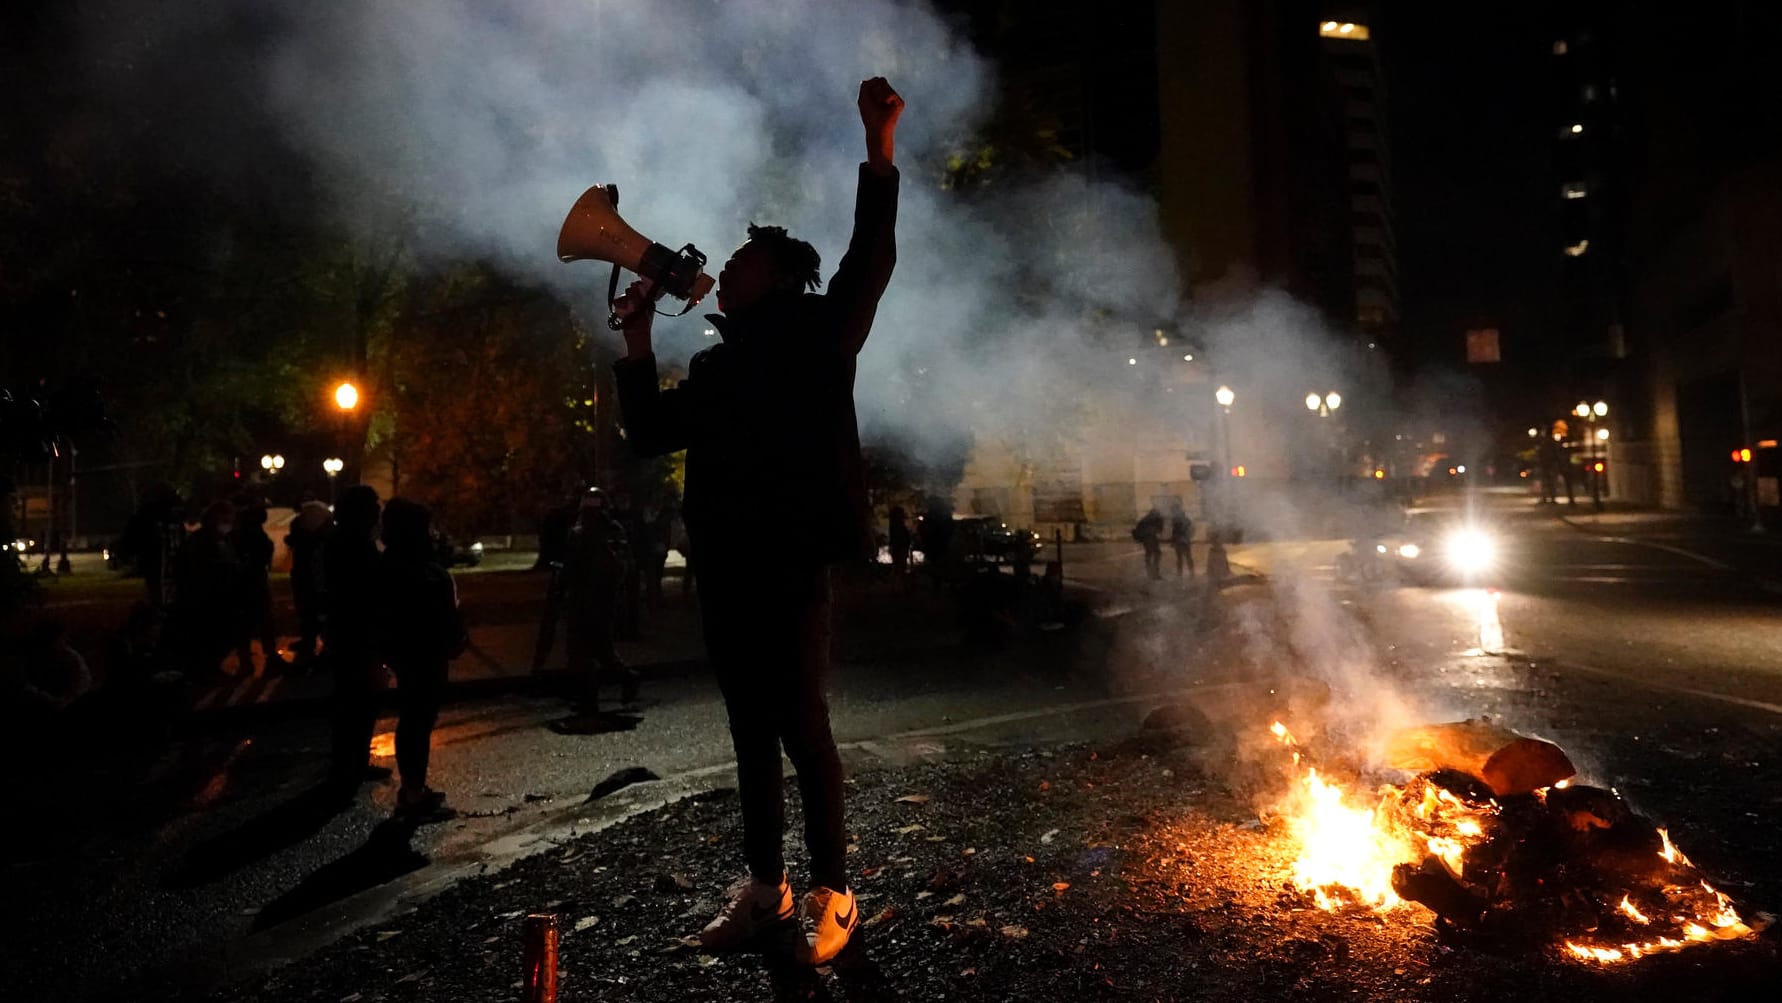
(472, 126)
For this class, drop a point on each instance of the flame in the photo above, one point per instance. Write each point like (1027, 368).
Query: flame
(1345, 854)
(383, 745)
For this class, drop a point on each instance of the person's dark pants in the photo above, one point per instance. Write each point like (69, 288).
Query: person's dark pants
(256, 624)
(308, 600)
(1154, 560)
(1184, 558)
(419, 690)
(767, 634)
(547, 623)
(653, 573)
(590, 643)
(354, 714)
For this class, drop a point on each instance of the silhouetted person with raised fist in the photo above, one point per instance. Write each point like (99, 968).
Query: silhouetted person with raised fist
(767, 419)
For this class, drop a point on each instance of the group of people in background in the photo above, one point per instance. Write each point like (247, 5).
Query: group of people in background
(1149, 533)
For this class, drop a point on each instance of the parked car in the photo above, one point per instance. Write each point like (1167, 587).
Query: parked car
(986, 539)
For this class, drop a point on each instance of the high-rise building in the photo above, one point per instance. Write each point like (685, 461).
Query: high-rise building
(1349, 43)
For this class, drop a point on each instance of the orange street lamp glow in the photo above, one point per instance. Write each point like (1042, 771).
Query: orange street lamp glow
(346, 396)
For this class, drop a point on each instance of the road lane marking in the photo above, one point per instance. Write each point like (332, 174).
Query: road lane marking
(1670, 688)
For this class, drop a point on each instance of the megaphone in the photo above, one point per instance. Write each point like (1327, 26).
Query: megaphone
(594, 230)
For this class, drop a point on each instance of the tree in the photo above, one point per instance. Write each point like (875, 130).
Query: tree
(490, 396)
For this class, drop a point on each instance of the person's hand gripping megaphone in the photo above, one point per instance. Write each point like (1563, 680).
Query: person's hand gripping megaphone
(635, 312)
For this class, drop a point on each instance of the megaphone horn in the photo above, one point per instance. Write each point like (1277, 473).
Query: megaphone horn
(594, 230)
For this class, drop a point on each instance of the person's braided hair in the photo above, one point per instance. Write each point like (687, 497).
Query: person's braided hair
(796, 261)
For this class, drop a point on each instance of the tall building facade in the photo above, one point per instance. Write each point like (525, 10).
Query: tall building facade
(1703, 236)
(1348, 33)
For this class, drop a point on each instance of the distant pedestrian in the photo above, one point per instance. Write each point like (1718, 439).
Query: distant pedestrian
(899, 540)
(937, 540)
(594, 575)
(419, 632)
(658, 524)
(254, 620)
(152, 539)
(349, 634)
(1148, 531)
(553, 551)
(1181, 539)
(306, 540)
(631, 523)
(206, 605)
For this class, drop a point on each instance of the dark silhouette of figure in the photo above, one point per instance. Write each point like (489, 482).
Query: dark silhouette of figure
(631, 524)
(767, 419)
(658, 524)
(1181, 539)
(1149, 533)
(899, 540)
(419, 632)
(206, 605)
(253, 548)
(349, 633)
(593, 574)
(553, 551)
(307, 538)
(937, 541)
(152, 540)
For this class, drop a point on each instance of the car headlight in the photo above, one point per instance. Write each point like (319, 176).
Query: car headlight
(1409, 551)
(1379, 548)
(477, 547)
(1471, 550)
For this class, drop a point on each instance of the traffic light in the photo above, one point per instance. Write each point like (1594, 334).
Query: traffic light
(1598, 466)
(1741, 456)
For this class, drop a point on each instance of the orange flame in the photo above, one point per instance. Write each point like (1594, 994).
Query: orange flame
(1345, 855)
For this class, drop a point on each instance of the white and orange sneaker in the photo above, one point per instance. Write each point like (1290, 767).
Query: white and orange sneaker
(832, 917)
(750, 907)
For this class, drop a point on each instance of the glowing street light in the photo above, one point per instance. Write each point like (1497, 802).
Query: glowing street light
(346, 396)
(1600, 409)
(1582, 410)
(1313, 402)
(1333, 400)
(333, 465)
(1224, 396)
(1534, 433)
(272, 463)
(1602, 434)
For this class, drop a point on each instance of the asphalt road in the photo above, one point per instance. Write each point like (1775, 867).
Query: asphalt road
(162, 868)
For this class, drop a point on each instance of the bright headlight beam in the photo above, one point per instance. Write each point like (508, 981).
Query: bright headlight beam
(1471, 550)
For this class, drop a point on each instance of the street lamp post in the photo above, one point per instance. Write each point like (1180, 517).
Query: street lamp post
(1591, 413)
(1218, 565)
(333, 465)
(346, 401)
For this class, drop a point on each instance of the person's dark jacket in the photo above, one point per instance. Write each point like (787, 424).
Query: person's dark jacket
(349, 563)
(595, 564)
(767, 415)
(418, 622)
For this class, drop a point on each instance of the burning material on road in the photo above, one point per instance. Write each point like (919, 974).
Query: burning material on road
(1491, 836)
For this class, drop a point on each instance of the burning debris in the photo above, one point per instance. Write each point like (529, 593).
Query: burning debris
(1492, 837)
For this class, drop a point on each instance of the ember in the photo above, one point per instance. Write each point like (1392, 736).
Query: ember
(1494, 861)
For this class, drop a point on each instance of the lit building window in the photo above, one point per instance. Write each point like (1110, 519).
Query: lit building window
(1343, 29)
(1559, 47)
(1578, 249)
(1574, 190)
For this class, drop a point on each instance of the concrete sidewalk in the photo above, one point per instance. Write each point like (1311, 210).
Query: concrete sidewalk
(1718, 541)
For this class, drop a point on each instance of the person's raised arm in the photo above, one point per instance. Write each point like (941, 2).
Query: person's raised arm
(865, 269)
(656, 420)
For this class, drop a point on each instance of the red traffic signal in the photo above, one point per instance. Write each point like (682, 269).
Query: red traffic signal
(1741, 456)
